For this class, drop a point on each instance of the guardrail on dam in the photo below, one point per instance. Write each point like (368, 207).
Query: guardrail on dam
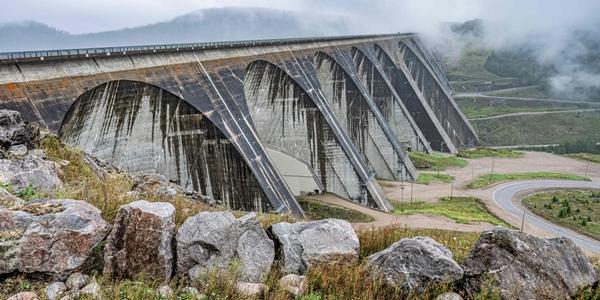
(204, 114)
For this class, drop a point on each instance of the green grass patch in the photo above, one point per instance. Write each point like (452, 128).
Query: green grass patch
(559, 128)
(427, 178)
(576, 209)
(317, 210)
(528, 92)
(489, 152)
(464, 210)
(435, 161)
(487, 180)
(478, 107)
(585, 156)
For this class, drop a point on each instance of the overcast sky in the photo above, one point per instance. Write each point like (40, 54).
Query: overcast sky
(81, 16)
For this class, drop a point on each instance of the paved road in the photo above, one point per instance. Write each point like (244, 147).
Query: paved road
(528, 113)
(504, 194)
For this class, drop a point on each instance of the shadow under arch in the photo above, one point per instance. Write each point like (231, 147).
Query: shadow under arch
(143, 128)
(287, 119)
(418, 107)
(387, 100)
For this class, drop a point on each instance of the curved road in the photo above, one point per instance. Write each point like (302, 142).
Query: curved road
(503, 196)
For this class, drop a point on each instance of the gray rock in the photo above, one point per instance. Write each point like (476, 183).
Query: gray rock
(164, 291)
(53, 237)
(521, 266)
(304, 244)
(41, 174)
(141, 241)
(17, 150)
(414, 264)
(214, 240)
(55, 290)
(24, 296)
(7, 200)
(449, 296)
(294, 284)
(250, 289)
(13, 131)
(76, 281)
(92, 290)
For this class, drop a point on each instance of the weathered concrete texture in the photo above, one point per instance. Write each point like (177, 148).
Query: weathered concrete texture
(445, 108)
(141, 128)
(374, 78)
(356, 110)
(292, 121)
(408, 92)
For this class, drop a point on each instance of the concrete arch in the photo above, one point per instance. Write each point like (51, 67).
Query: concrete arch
(140, 127)
(287, 119)
(412, 98)
(443, 105)
(359, 116)
(387, 100)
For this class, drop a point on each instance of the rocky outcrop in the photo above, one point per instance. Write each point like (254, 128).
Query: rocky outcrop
(521, 266)
(7, 200)
(141, 241)
(146, 185)
(15, 134)
(24, 296)
(55, 290)
(53, 237)
(30, 170)
(301, 245)
(414, 264)
(214, 240)
(294, 284)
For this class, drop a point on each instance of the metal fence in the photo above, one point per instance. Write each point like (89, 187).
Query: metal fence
(12, 57)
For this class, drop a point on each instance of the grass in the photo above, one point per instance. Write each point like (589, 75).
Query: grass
(317, 210)
(464, 210)
(489, 152)
(576, 209)
(487, 180)
(557, 128)
(435, 161)
(585, 156)
(527, 92)
(427, 178)
(477, 107)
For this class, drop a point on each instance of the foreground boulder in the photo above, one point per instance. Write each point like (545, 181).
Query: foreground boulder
(521, 266)
(415, 264)
(7, 200)
(53, 237)
(214, 240)
(301, 245)
(14, 133)
(30, 170)
(141, 241)
(294, 284)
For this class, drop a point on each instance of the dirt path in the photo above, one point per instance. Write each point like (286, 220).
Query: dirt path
(530, 162)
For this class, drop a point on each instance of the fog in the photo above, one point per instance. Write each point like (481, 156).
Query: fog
(549, 27)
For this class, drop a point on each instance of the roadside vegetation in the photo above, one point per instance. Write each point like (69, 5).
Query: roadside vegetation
(435, 161)
(464, 210)
(317, 210)
(595, 158)
(480, 107)
(489, 152)
(487, 180)
(533, 91)
(429, 177)
(576, 209)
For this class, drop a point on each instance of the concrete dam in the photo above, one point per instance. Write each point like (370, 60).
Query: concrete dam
(251, 123)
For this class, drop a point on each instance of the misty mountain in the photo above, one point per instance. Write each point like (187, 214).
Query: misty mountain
(215, 24)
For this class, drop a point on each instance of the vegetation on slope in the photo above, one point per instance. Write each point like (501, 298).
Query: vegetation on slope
(576, 209)
(539, 129)
(585, 156)
(428, 177)
(487, 180)
(535, 91)
(489, 152)
(435, 161)
(315, 210)
(464, 210)
(479, 107)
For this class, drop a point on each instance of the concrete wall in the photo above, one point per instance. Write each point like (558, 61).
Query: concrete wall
(297, 174)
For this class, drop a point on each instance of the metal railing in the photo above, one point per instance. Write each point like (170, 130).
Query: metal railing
(41, 55)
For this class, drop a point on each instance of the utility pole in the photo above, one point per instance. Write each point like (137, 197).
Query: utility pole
(523, 221)
(492, 171)
(452, 190)
(587, 167)
(412, 188)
